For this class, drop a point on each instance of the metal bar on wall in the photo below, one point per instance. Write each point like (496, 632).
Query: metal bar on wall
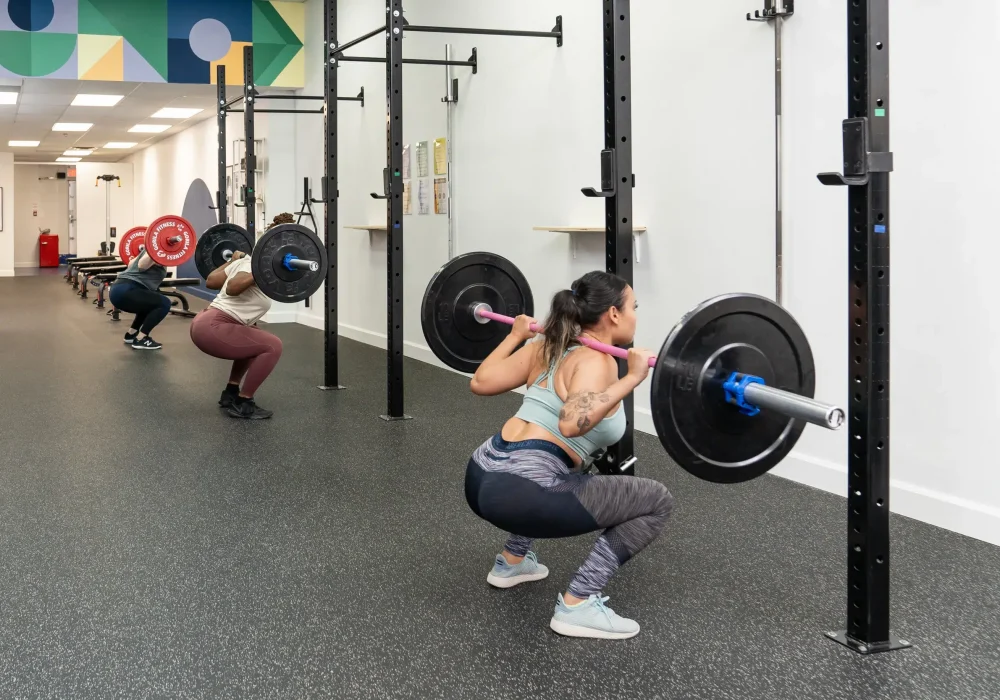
(867, 164)
(409, 61)
(617, 182)
(394, 209)
(330, 194)
(250, 183)
(221, 194)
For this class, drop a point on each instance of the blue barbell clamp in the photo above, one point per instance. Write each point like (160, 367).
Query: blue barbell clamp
(735, 388)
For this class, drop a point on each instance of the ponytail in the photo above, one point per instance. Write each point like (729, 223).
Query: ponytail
(579, 308)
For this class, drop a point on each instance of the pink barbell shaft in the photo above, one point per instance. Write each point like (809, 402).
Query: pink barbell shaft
(594, 344)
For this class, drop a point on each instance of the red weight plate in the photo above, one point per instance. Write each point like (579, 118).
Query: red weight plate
(131, 243)
(171, 241)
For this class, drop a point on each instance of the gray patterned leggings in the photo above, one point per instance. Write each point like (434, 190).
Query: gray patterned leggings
(529, 489)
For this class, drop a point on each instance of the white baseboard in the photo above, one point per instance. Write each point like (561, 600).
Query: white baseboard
(7, 273)
(282, 316)
(933, 507)
(19, 265)
(959, 515)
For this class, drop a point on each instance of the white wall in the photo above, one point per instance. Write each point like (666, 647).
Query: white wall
(7, 234)
(40, 204)
(91, 204)
(529, 131)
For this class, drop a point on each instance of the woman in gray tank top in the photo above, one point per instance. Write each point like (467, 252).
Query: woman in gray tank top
(136, 291)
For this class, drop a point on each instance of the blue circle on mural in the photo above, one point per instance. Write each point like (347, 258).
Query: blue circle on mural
(210, 39)
(31, 15)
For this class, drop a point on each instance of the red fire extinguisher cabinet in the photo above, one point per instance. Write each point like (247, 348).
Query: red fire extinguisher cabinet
(48, 251)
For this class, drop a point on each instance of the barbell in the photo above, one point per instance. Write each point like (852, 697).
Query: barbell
(732, 385)
(288, 262)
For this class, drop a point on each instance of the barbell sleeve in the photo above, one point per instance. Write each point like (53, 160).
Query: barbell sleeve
(174, 239)
(795, 406)
(293, 263)
(752, 389)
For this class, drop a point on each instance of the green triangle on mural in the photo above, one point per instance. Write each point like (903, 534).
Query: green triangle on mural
(278, 64)
(263, 56)
(35, 54)
(142, 24)
(90, 21)
(269, 27)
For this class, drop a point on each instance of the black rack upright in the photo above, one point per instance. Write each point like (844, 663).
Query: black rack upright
(867, 164)
(330, 194)
(617, 181)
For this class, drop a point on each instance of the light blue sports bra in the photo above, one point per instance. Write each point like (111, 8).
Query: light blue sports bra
(541, 406)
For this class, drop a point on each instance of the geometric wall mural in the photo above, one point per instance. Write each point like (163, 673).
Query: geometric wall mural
(175, 41)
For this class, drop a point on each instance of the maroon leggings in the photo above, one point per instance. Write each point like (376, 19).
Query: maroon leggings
(254, 352)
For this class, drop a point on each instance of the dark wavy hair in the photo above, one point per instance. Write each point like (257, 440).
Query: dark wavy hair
(578, 308)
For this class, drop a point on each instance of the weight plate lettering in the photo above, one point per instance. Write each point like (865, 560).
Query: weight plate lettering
(131, 243)
(170, 241)
(273, 278)
(214, 242)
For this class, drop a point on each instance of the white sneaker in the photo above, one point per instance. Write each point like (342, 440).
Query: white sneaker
(592, 619)
(506, 575)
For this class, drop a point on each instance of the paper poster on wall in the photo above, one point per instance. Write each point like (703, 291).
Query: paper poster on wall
(440, 156)
(440, 195)
(406, 161)
(422, 159)
(423, 197)
(407, 204)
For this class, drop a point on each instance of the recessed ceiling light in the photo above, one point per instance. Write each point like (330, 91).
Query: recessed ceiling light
(71, 126)
(119, 144)
(22, 144)
(76, 152)
(8, 98)
(149, 128)
(176, 113)
(96, 100)
(67, 160)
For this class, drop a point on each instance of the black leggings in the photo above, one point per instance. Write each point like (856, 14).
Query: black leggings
(148, 306)
(530, 490)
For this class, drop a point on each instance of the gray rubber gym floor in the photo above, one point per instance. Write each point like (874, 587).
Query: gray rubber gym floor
(154, 548)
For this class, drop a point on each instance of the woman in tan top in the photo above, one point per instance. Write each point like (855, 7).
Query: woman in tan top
(227, 329)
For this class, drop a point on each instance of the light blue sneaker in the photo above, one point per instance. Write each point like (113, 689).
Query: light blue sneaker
(592, 619)
(506, 575)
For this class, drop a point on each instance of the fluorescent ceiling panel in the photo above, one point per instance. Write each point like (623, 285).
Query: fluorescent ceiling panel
(149, 128)
(176, 113)
(71, 126)
(96, 100)
(23, 144)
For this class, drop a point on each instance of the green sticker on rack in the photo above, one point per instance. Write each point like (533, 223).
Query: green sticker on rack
(879, 112)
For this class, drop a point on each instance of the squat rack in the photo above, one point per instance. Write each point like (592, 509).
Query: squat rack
(394, 30)
(867, 164)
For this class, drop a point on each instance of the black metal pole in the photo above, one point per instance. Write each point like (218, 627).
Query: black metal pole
(408, 61)
(617, 182)
(394, 210)
(280, 111)
(556, 32)
(249, 190)
(330, 194)
(290, 97)
(364, 37)
(221, 194)
(867, 164)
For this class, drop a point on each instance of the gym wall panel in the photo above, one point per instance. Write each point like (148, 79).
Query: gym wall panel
(91, 204)
(42, 204)
(7, 204)
(176, 41)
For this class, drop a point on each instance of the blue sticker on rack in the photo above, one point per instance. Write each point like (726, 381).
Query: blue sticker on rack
(879, 228)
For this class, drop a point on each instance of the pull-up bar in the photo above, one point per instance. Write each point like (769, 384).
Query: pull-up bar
(359, 98)
(556, 33)
(472, 63)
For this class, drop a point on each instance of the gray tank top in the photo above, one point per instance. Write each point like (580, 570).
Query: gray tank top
(149, 278)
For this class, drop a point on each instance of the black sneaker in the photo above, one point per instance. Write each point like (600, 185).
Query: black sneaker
(146, 343)
(130, 337)
(246, 408)
(229, 395)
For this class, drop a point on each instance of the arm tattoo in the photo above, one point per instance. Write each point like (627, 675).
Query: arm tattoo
(579, 405)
